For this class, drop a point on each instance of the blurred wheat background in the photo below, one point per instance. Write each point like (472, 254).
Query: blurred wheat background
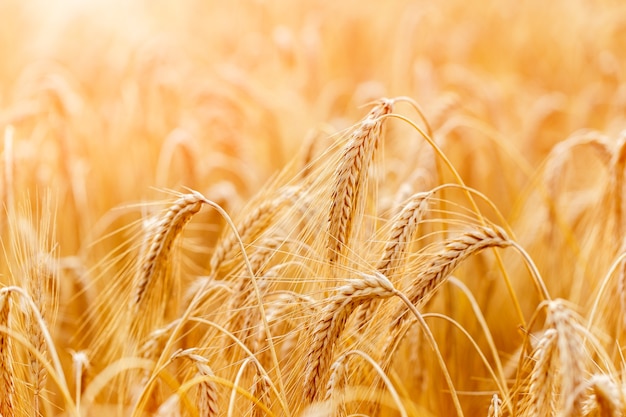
(312, 208)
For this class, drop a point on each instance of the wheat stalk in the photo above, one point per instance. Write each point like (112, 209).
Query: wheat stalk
(350, 179)
(332, 322)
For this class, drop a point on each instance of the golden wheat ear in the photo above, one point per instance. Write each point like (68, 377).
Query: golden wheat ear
(438, 269)
(331, 324)
(152, 282)
(404, 226)
(350, 179)
(207, 395)
(558, 365)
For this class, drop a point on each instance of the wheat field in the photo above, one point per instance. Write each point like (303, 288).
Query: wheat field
(312, 208)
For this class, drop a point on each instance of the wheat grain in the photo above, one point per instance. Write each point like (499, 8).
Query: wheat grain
(542, 384)
(207, 397)
(162, 240)
(251, 226)
(332, 322)
(335, 388)
(438, 269)
(350, 179)
(607, 398)
(404, 226)
(495, 407)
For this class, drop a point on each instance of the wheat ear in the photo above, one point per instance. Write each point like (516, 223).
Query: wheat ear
(332, 322)
(251, 226)
(542, 384)
(7, 407)
(558, 365)
(403, 228)
(618, 162)
(261, 391)
(607, 397)
(207, 397)
(335, 388)
(244, 295)
(446, 261)
(162, 240)
(350, 179)
(40, 276)
(153, 280)
(495, 407)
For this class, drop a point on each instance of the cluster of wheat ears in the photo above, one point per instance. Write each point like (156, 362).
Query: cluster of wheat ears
(313, 208)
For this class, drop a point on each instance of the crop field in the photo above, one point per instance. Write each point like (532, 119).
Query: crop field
(312, 208)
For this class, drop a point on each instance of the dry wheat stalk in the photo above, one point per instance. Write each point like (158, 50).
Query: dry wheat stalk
(446, 261)
(351, 178)
(7, 406)
(403, 228)
(332, 322)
